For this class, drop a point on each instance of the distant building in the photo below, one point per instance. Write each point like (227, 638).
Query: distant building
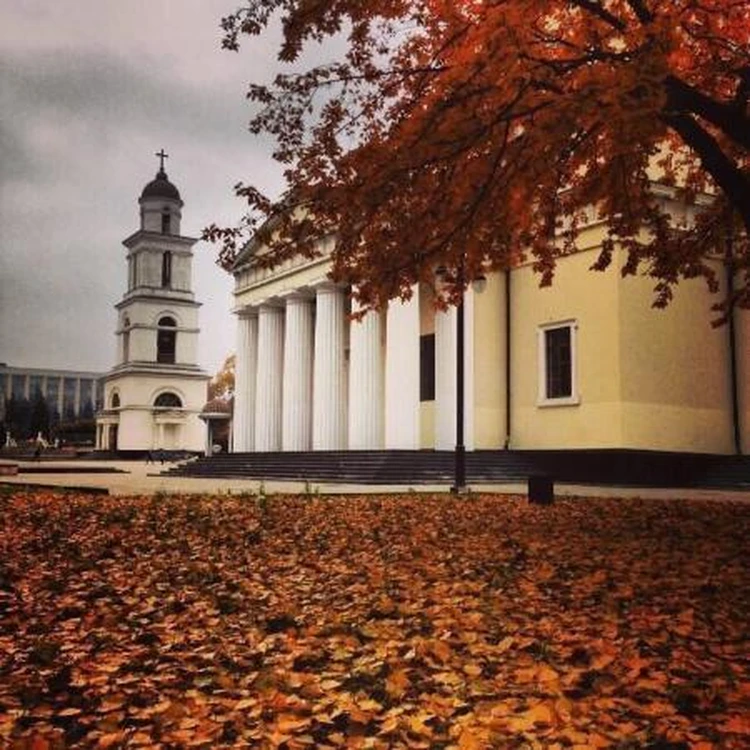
(69, 396)
(74, 394)
(154, 394)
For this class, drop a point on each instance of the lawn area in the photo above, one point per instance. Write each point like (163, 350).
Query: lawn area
(401, 621)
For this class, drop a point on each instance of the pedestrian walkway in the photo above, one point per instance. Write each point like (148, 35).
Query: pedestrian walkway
(141, 478)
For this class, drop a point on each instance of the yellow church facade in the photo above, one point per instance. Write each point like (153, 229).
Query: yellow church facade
(587, 363)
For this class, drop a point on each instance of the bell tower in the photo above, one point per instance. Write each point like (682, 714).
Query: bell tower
(156, 382)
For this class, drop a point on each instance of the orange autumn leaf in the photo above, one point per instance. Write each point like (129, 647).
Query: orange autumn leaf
(397, 683)
(738, 725)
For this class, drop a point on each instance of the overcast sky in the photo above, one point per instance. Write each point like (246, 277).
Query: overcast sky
(89, 90)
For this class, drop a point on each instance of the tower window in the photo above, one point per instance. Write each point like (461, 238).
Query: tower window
(166, 269)
(168, 400)
(166, 340)
(166, 222)
(115, 401)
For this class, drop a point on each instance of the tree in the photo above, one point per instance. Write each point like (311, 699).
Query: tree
(40, 415)
(481, 132)
(221, 385)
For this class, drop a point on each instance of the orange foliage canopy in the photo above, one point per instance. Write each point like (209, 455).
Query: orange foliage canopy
(463, 132)
(221, 384)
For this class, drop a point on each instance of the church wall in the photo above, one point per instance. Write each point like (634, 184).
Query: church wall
(675, 370)
(489, 364)
(589, 299)
(182, 271)
(742, 338)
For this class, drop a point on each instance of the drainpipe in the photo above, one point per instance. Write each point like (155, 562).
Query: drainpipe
(507, 359)
(732, 336)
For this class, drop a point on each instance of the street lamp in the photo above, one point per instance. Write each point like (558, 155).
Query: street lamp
(459, 453)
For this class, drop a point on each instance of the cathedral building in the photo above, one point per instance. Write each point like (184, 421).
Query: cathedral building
(587, 363)
(154, 393)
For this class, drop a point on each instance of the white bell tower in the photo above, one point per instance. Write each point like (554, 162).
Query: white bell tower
(156, 390)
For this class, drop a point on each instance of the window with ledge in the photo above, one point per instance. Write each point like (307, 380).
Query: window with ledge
(166, 222)
(114, 402)
(427, 367)
(557, 364)
(166, 340)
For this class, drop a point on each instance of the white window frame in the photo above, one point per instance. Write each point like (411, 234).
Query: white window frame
(542, 399)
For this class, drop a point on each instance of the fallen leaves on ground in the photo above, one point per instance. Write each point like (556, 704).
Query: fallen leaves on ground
(375, 622)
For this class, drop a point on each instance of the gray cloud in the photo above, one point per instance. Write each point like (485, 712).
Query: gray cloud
(78, 132)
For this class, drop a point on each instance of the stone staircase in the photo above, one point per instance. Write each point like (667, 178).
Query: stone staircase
(602, 467)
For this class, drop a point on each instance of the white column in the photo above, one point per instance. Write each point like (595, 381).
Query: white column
(329, 378)
(243, 427)
(366, 383)
(298, 374)
(445, 375)
(445, 379)
(269, 377)
(402, 374)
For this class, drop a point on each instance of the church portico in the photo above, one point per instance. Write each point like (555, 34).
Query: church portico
(309, 376)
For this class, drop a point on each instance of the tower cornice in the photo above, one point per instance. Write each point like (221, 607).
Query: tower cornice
(146, 235)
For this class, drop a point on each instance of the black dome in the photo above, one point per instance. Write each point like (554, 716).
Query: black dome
(161, 187)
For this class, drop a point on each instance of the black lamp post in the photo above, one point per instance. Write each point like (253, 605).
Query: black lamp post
(459, 467)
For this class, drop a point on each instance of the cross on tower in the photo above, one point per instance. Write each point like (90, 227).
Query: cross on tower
(162, 156)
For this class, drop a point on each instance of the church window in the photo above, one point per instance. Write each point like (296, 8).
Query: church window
(166, 340)
(427, 367)
(166, 269)
(168, 400)
(133, 271)
(166, 222)
(126, 340)
(557, 360)
(115, 401)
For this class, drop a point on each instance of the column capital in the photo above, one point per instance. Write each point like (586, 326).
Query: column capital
(246, 312)
(299, 295)
(274, 305)
(329, 287)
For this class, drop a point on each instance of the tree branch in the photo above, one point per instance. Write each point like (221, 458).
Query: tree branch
(643, 14)
(730, 119)
(730, 179)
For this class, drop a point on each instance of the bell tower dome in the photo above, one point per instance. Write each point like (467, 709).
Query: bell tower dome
(161, 205)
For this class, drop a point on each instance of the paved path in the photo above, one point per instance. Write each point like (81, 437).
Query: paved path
(140, 478)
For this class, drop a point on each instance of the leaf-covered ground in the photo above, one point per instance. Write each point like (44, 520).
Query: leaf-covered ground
(412, 621)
